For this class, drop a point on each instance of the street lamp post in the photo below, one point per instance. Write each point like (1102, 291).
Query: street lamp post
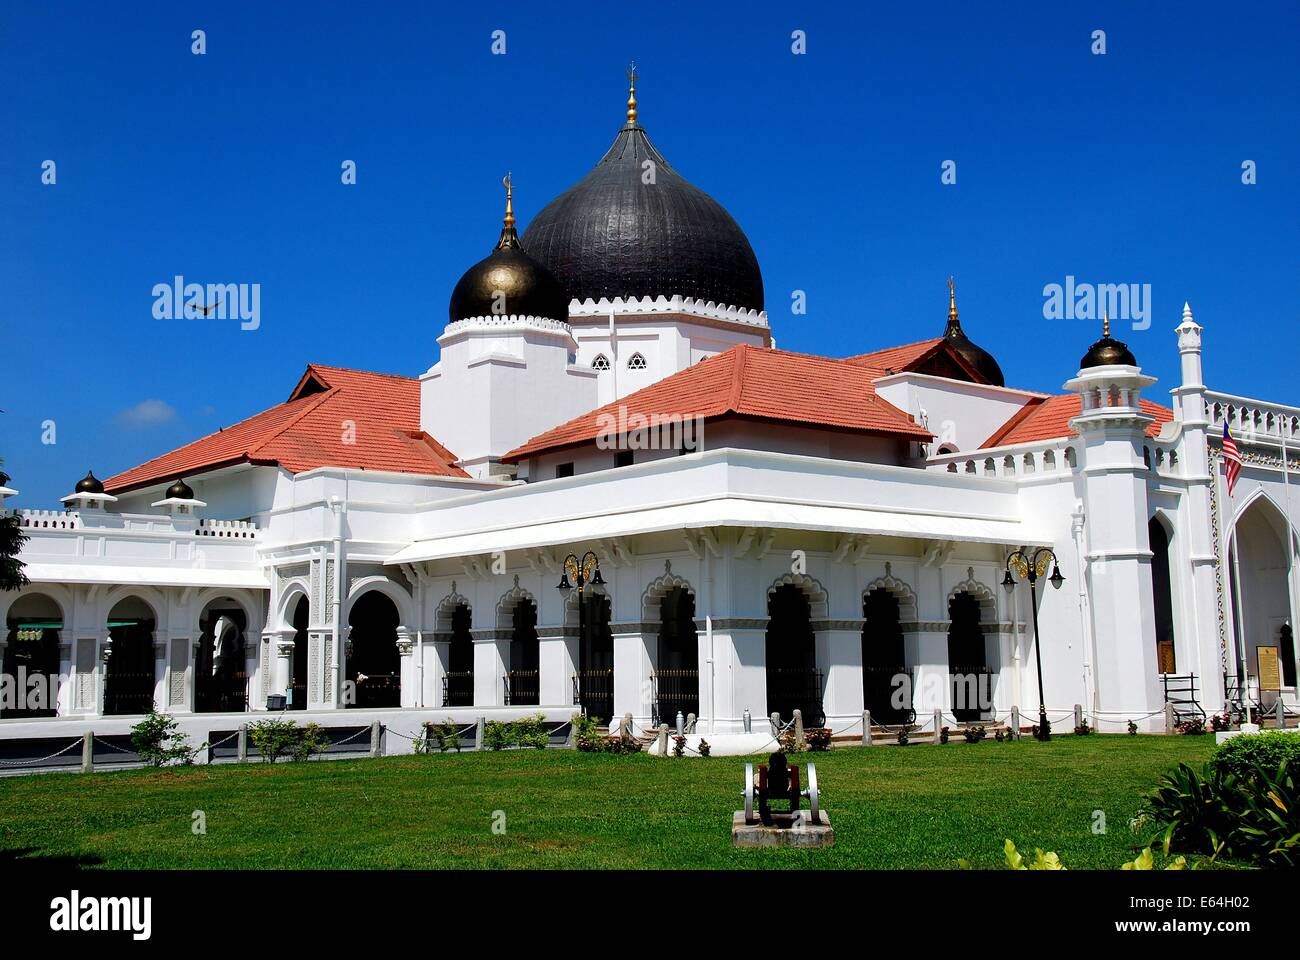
(585, 571)
(1031, 569)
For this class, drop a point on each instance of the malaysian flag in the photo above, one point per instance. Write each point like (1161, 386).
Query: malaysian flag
(1231, 459)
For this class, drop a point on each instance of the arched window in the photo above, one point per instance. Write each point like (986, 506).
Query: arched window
(600, 363)
(636, 362)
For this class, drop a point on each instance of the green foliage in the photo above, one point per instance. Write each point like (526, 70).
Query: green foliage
(587, 734)
(446, 735)
(1245, 754)
(498, 735)
(275, 738)
(1132, 728)
(902, 735)
(819, 738)
(1050, 861)
(1254, 816)
(1082, 730)
(679, 745)
(532, 732)
(12, 538)
(974, 734)
(159, 742)
(787, 742)
(705, 749)
(1192, 726)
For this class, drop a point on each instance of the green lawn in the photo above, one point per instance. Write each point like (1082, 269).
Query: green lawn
(915, 807)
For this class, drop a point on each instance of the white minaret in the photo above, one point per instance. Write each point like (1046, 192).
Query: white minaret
(1112, 427)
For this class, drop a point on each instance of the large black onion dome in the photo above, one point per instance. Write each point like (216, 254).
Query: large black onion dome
(180, 490)
(508, 282)
(1108, 352)
(975, 355)
(89, 484)
(614, 235)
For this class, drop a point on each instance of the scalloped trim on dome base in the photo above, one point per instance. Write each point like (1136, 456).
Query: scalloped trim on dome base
(673, 304)
(505, 322)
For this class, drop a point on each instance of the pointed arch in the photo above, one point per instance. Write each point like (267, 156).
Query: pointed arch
(901, 592)
(447, 608)
(509, 600)
(987, 599)
(379, 583)
(657, 589)
(818, 600)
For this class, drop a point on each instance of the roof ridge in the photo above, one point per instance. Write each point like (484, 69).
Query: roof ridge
(368, 373)
(318, 398)
(738, 377)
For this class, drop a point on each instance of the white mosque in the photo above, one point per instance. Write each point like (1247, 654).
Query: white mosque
(612, 492)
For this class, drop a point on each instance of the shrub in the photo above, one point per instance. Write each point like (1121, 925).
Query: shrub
(1220, 721)
(532, 732)
(1132, 728)
(902, 735)
(1050, 861)
(1192, 726)
(944, 732)
(158, 740)
(273, 738)
(974, 734)
(705, 748)
(446, 735)
(499, 734)
(819, 738)
(679, 745)
(587, 735)
(787, 742)
(1082, 730)
(1246, 754)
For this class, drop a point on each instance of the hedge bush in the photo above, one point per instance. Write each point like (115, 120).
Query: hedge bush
(1246, 753)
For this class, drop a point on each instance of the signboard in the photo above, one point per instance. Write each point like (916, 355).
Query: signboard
(1270, 677)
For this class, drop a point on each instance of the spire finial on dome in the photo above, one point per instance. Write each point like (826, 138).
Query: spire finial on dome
(1105, 324)
(631, 94)
(952, 301)
(510, 210)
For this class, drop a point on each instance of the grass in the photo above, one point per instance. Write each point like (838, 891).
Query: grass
(915, 807)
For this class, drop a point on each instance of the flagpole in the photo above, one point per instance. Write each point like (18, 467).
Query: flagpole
(1290, 537)
(1233, 546)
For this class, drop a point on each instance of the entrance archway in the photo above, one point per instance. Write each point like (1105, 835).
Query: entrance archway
(29, 686)
(1162, 591)
(1262, 596)
(374, 666)
(221, 667)
(522, 684)
(129, 677)
(458, 683)
(677, 676)
(968, 658)
(595, 677)
(793, 681)
(886, 678)
(298, 679)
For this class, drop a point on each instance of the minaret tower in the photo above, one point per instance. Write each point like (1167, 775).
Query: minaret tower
(1112, 427)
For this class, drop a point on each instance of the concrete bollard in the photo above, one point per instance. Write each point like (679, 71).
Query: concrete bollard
(241, 749)
(376, 739)
(572, 742)
(1279, 712)
(799, 742)
(479, 724)
(866, 728)
(938, 725)
(1015, 723)
(681, 723)
(747, 721)
(87, 752)
(1078, 715)
(775, 719)
(690, 723)
(625, 727)
(663, 739)
(1170, 719)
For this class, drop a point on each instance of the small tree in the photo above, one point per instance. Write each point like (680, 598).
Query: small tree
(13, 574)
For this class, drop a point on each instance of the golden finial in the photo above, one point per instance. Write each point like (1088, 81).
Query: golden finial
(952, 301)
(510, 210)
(631, 94)
(1105, 324)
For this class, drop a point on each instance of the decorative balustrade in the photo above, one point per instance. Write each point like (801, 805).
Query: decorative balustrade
(1009, 463)
(1253, 421)
(47, 519)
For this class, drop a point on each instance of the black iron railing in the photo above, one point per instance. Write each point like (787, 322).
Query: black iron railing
(378, 690)
(128, 692)
(224, 693)
(675, 691)
(1180, 692)
(887, 692)
(796, 688)
(972, 692)
(522, 688)
(458, 688)
(593, 690)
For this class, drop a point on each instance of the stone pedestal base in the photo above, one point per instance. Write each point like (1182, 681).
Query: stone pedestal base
(787, 830)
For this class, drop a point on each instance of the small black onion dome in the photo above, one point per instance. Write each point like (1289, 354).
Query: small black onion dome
(1108, 352)
(4, 479)
(508, 282)
(180, 490)
(88, 484)
(975, 355)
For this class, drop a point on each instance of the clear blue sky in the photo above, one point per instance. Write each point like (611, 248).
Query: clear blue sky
(225, 167)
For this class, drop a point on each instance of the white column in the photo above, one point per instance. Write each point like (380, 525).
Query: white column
(744, 685)
(632, 669)
(491, 662)
(160, 673)
(842, 698)
(105, 653)
(557, 663)
(283, 665)
(407, 667)
(64, 694)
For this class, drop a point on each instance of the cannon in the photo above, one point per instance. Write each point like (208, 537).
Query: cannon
(778, 783)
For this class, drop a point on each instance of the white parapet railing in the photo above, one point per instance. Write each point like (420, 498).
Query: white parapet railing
(1253, 421)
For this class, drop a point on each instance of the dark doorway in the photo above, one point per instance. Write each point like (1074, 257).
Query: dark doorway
(298, 682)
(458, 684)
(793, 680)
(886, 678)
(522, 683)
(677, 676)
(967, 659)
(31, 659)
(374, 667)
(129, 678)
(1162, 593)
(221, 667)
(1286, 640)
(595, 680)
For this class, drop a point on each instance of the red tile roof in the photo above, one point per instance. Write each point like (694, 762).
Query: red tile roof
(308, 430)
(1049, 419)
(749, 381)
(915, 356)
